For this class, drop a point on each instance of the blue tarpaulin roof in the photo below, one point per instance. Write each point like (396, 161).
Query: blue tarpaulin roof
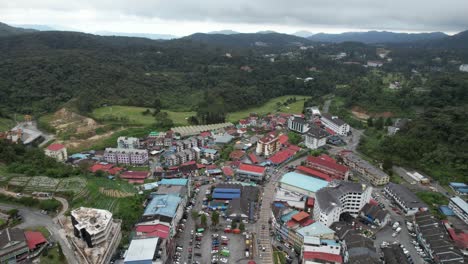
(446, 210)
(226, 190)
(226, 196)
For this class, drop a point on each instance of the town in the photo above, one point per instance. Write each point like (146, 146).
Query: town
(242, 193)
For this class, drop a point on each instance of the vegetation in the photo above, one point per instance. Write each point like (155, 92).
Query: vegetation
(433, 200)
(50, 205)
(6, 124)
(53, 256)
(294, 138)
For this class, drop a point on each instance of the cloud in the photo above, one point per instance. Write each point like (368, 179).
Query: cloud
(401, 15)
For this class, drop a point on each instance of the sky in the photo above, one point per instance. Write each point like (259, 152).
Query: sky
(184, 17)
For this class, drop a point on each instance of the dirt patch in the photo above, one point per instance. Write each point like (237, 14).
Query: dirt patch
(66, 120)
(115, 193)
(362, 114)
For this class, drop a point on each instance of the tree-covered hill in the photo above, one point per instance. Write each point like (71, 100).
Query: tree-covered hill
(6, 30)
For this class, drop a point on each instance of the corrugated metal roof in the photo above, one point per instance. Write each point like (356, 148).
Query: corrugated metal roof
(304, 182)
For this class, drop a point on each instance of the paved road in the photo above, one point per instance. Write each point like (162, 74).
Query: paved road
(326, 106)
(33, 218)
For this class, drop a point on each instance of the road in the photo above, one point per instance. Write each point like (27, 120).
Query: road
(326, 106)
(33, 218)
(402, 172)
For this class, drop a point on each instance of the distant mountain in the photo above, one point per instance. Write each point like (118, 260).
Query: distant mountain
(457, 41)
(224, 32)
(371, 37)
(6, 30)
(137, 35)
(36, 27)
(303, 34)
(266, 32)
(248, 39)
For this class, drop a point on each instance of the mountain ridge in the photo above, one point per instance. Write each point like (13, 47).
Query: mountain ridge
(374, 37)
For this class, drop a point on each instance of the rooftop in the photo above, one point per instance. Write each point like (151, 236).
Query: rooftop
(34, 239)
(304, 182)
(333, 119)
(363, 163)
(405, 195)
(327, 161)
(173, 182)
(328, 257)
(141, 249)
(313, 172)
(158, 230)
(55, 147)
(281, 156)
(316, 229)
(460, 203)
(317, 132)
(165, 204)
(134, 175)
(328, 198)
(8, 235)
(252, 168)
(92, 219)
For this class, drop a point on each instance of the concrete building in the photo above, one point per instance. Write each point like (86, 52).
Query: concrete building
(406, 199)
(268, 145)
(298, 124)
(165, 208)
(128, 143)
(375, 175)
(374, 64)
(126, 156)
(356, 248)
(315, 137)
(143, 251)
(329, 166)
(302, 184)
(94, 226)
(13, 246)
(338, 198)
(463, 68)
(57, 151)
(373, 214)
(335, 124)
(250, 172)
(460, 208)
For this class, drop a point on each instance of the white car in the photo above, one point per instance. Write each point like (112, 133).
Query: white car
(224, 260)
(214, 251)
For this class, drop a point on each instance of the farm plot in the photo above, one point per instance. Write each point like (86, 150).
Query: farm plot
(41, 184)
(20, 181)
(73, 184)
(115, 193)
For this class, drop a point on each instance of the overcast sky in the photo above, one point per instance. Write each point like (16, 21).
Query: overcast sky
(183, 17)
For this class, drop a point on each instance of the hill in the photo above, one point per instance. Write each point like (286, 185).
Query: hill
(248, 39)
(303, 34)
(457, 41)
(6, 30)
(224, 32)
(137, 35)
(371, 37)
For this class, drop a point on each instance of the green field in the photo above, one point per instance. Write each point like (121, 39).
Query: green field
(271, 107)
(134, 116)
(6, 124)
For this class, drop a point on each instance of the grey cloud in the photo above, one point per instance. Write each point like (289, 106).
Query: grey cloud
(418, 15)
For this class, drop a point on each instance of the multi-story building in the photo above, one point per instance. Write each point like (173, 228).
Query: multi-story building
(367, 170)
(13, 246)
(335, 124)
(340, 197)
(328, 165)
(94, 226)
(298, 124)
(406, 199)
(315, 137)
(251, 172)
(128, 143)
(126, 156)
(302, 184)
(459, 207)
(57, 151)
(164, 208)
(268, 145)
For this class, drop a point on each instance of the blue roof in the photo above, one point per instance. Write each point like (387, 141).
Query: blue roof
(226, 196)
(210, 151)
(79, 156)
(163, 205)
(330, 242)
(226, 190)
(458, 184)
(182, 182)
(462, 190)
(223, 139)
(285, 218)
(279, 205)
(446, 210)
(304, 182)
(214, 171)
(150, 186)
(460, 203)
(315, 230)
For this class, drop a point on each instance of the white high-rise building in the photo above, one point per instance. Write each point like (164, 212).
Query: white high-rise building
(335, 124)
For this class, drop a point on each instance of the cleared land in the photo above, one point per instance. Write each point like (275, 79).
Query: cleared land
(271, 107)
(133, 115)
(6, 124)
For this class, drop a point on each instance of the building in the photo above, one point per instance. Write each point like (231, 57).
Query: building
(142, 251)
(340, 197)
(95, 226)
(250, 172)
(463, 68)
(298, 124)
(128, 143)
(335, 124)
(374, 64)
(459, 187)
(13, 246)
(302, 184)
(57, 151)
(406, 199)
(460, 208)
(126, 156)
(367, 170)
(393, 254)
(185, 131)
(135, 176)
(268, 145)
(329, 166)
(315, 137)
(374, 215)
(165, 208)
(35, 240)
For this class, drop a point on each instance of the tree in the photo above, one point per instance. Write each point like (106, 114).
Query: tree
(370, 122)
(242, 227)
(163, 121)
(12, 212)
(388, 121)
(379, 123)
(294, 138)
(215, 218)
(203, 220)
(387, 165)
(194, 214)
(157, 106)
(193, 120)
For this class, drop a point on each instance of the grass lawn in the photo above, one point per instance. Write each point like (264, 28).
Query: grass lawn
(271, 107)
(6, 124)
(53, 256)
(135, 116)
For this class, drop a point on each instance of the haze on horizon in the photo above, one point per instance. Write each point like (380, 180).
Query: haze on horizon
(184, 17)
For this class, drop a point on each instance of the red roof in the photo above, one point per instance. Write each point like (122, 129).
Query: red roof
(101, 167)
(253, 158)
(243, 122)
(252, 168)
(327, 161)
(188, 163)
(313, 172)
(291, 223)
(294, 148)
(34, 239)
(134, 175)
(308, 222)
(331, 132)
(323, 256)
(283, 139)
(236, 154)
(211, 167)
(373, 202)
(281, 156)
(205, 134)
(310, 202)
(115, 170)
(228, 171)
(200, 166)
(136, 181)
(158, 230)
(301, 216)
(55, 147)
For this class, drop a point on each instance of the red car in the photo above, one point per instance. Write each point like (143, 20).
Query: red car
(190, 250)
(215, 248)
